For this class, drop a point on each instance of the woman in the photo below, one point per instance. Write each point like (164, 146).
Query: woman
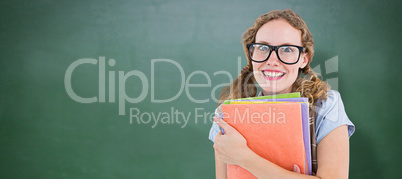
(279, 49)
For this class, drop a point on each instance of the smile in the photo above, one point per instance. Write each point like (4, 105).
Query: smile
(273, 73)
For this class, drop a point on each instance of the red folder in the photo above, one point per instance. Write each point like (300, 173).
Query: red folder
(272, 130)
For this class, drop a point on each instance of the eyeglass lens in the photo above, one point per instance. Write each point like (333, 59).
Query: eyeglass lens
(288, 54)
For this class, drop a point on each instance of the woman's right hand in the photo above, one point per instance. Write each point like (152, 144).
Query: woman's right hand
(230, 147)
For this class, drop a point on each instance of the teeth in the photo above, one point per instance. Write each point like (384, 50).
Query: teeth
(272, 74)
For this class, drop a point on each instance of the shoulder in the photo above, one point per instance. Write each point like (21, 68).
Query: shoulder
(330, 106)
(333, 98)
(330, 114)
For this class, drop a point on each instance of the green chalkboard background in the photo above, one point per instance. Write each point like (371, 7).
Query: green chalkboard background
(45, 133)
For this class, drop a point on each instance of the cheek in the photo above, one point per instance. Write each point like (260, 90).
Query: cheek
(293, 72)
(294, 69)
(256, 67)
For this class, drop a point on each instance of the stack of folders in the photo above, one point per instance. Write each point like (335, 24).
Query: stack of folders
(275, 127)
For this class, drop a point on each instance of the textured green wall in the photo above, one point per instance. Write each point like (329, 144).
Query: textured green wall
(44, 133)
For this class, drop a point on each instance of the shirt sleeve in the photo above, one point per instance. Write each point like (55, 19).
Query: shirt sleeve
(215, 129)
(331, 114)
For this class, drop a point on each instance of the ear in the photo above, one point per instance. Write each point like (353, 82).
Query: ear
(304, 59)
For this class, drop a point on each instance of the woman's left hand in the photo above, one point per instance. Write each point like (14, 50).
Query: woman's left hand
(230, 147)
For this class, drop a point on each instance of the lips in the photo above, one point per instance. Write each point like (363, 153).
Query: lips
(273, 74)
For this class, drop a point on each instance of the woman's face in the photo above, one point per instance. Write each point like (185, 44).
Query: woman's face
(273, 76)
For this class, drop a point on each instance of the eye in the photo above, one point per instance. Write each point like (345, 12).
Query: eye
(286, 49)
(263, 48)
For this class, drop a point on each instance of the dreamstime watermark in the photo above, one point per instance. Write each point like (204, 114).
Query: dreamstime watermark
(147, 86)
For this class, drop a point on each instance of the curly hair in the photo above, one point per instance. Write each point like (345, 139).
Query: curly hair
(307, 83)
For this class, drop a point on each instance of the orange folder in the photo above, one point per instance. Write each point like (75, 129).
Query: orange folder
(272, 130)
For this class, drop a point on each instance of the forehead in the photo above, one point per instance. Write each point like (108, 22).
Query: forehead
(278, 32)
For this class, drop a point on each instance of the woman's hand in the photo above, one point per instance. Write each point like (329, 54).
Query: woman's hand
(230, 147)
(296, 168)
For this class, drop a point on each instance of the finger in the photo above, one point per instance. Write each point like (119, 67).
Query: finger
(296, 168)
(223, 125)
(222, 131)
(217, 137)
(216, 118)
(220, 121)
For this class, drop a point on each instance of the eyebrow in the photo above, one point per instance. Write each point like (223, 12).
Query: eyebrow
(264, 42)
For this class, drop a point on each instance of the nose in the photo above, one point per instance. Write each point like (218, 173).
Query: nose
(273, 59)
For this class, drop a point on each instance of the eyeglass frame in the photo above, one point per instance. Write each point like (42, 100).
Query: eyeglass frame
(274, 48)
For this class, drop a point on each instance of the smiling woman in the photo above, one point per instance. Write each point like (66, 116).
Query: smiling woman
(274, 73)
(279, 48)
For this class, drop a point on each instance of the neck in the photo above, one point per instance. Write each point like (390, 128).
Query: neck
(267, 93)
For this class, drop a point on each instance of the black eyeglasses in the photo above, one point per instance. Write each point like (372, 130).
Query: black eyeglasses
(287, 54)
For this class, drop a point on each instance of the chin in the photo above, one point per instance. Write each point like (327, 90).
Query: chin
(277, 90)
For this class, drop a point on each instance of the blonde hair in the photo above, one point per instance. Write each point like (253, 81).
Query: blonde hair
(307, 82)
